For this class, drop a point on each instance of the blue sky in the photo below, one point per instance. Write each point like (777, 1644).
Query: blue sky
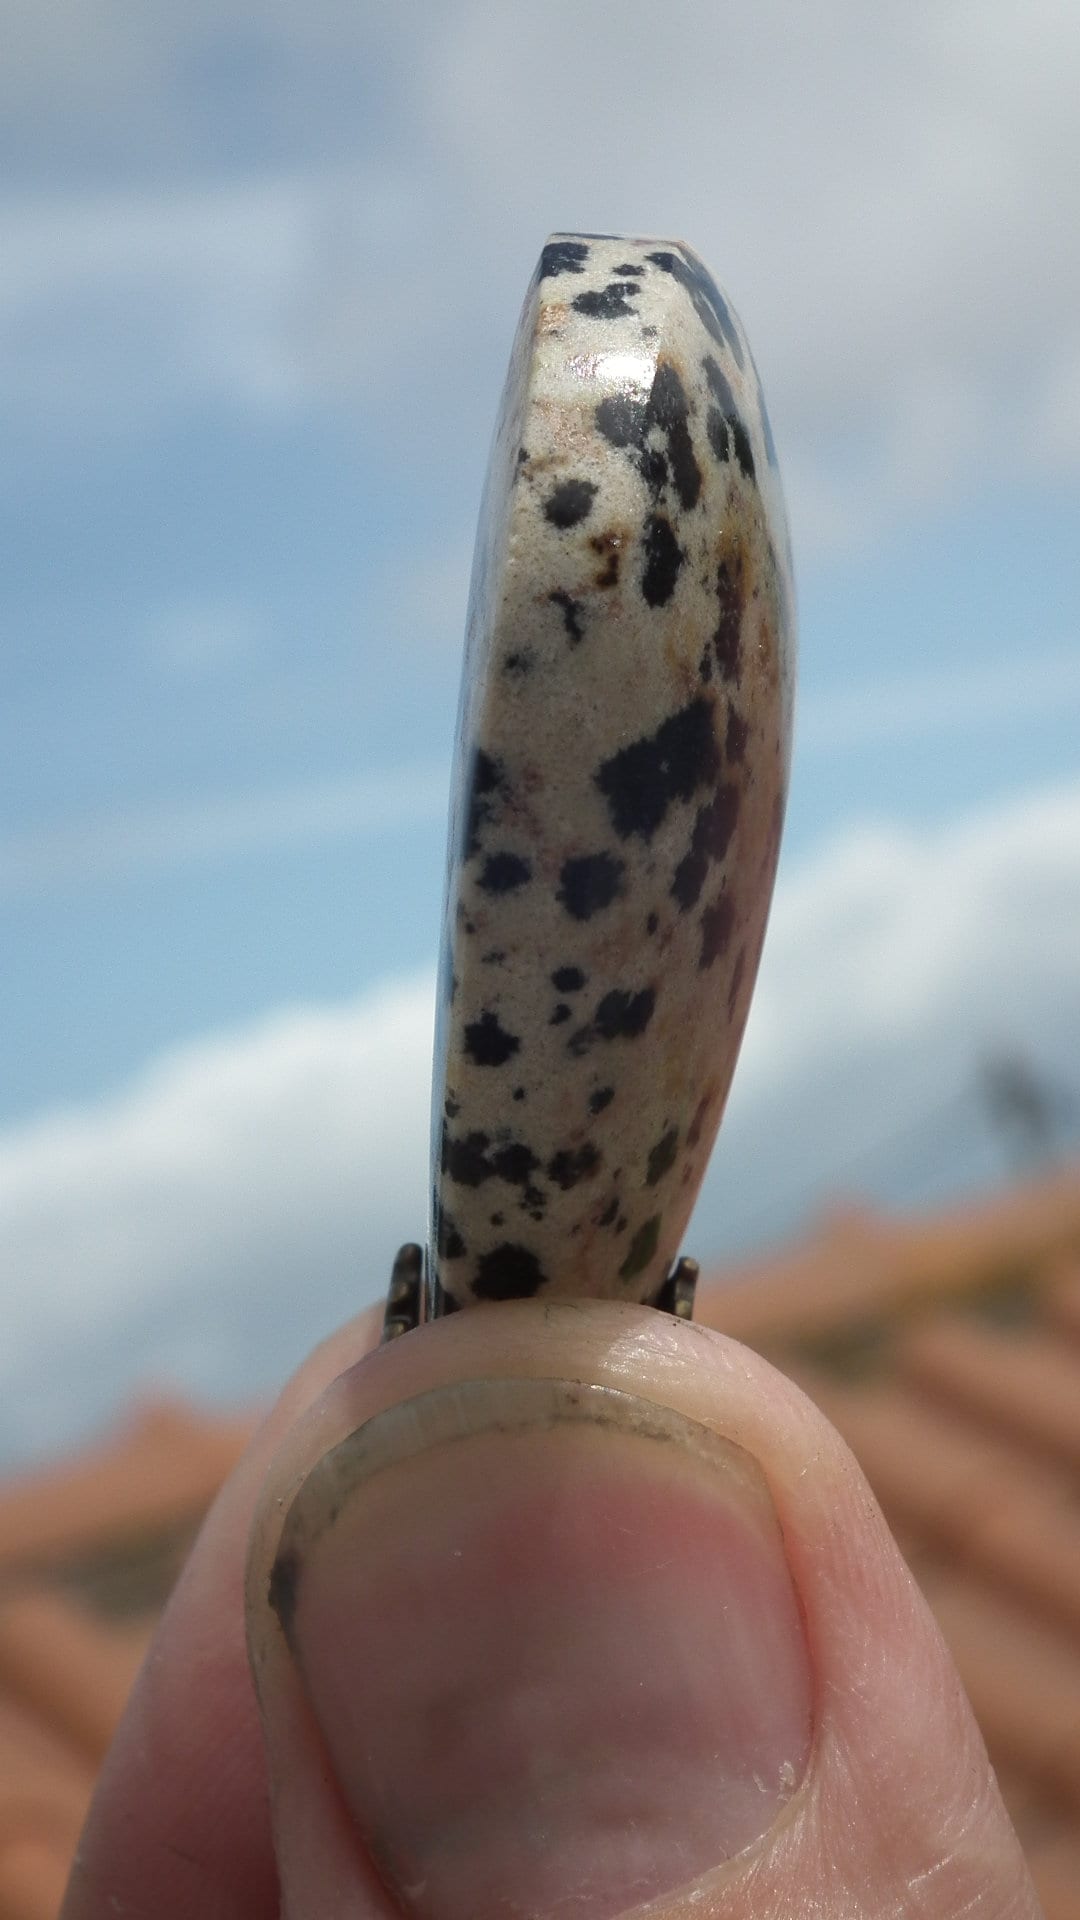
(261, 267)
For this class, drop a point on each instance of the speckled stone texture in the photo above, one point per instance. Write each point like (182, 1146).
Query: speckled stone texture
(622, 765)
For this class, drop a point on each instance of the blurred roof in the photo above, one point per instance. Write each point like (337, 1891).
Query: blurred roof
(947, 1352)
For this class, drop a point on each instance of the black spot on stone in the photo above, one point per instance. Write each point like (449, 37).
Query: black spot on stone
(654, 469)
(610, 1211)
(518, 664)
(602, 1098)
(469, 1161)
(496, 958)
(282, 1589)
(668, 409)
(607, 303)
(570, 502)
(518, 1093)
(589, 883)
(504, 873)
(571, 613)
(562, 256)
(515, 1164)
(717, 923)
(705, 666)
(709, 303)
(663, 558)
(744, 452)
(629, 272)
(720, 387)
(652, 923)
(622, 1015)
(450, 1243)
(488, 1043)
(641, 781)
(714, 825)
(508, 1272)
(725, 426)
(465, 1161)
(568, 979)
(630, 424)
(496, 1219)
(572, 1165)
(738, 733)
(560, 1014)
(621, 419)
(737, 973)
(487, 781)
(642, 1248)
(727, 643)
(451, 1107)
(716, 426)
(662, 1156)
(522, 456)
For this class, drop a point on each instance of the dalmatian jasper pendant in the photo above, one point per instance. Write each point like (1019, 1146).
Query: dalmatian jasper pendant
(622, 763)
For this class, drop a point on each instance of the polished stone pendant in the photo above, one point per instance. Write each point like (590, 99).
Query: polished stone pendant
(621, 769)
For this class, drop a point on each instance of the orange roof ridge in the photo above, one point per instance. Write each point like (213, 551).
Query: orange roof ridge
(162, 1464)
(1063, 1297)
(1023, 1680)
(961, 1489)
(44, 1787)
(33, 1877)
(1055, 1869)
(855, 1261)
(1024, 1385)
(60, 1663)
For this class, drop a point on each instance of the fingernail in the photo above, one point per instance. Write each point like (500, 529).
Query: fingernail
(552, 1643)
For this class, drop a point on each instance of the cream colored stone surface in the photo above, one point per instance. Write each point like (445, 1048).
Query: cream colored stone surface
(622, 767)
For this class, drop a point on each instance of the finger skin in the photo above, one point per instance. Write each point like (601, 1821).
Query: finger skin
(898, 1814)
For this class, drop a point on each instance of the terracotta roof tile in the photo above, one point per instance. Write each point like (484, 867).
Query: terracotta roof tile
(65, 1667)
(38, 1769)
(164, 1466)
(968, 1431)
(947, 1483)
(1025, 1386)
(33, 1876)
(857, 1265)
(1055, 1869)
(1063, 1299)
(1023, 1679)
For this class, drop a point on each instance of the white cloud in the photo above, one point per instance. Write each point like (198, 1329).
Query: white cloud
(119, 307)
(207, 1223)
(154, 839)
(898, 965)
(222, 1211)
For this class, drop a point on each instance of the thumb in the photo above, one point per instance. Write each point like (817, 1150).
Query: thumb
(565, 1611)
